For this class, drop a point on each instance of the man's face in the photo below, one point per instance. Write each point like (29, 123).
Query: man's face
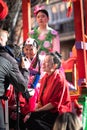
(4, 38)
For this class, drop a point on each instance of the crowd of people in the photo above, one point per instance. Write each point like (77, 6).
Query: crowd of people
(36, 81)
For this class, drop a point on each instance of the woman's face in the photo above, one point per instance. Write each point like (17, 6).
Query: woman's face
(42, 18)
(48, 64)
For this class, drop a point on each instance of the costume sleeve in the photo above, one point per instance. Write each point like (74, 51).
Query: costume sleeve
(61, 98)
(56, 43)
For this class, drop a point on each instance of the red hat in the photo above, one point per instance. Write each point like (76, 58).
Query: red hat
(3, 9)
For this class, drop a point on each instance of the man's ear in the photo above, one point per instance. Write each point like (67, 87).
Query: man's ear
(1, 39)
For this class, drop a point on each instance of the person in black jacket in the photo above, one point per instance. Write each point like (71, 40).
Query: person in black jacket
(10, 74)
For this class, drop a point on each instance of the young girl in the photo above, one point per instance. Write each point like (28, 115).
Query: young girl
(31, 60)
(48, 38)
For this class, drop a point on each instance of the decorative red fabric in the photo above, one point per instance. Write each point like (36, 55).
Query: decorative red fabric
(69, 64)
(27, 107)
(3, 9)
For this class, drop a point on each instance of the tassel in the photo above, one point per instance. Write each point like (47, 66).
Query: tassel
(69, 11)
(70, 0)
(47, 1)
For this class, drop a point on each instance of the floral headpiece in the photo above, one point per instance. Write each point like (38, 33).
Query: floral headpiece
(29, 41)
(38, 8)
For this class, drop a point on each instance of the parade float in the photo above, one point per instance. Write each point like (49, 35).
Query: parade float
(77, 64)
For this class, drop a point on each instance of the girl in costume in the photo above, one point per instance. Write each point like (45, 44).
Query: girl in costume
(31, 61)
(48, 38)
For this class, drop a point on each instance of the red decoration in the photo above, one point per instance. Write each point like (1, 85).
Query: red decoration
(3, 9)
(69, 11)
(70, 0)
(69, 64)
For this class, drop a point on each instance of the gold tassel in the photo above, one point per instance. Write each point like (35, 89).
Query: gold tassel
(47, 1)
(69, 11)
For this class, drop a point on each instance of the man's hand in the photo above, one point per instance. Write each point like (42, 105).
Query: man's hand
(25, 63)
(26, 95)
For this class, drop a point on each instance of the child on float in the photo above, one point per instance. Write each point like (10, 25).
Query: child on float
(31, 60)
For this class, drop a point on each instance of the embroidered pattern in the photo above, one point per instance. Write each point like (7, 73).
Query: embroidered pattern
(44, 42)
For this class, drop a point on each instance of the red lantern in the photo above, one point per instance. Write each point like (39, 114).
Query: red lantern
(3, 9)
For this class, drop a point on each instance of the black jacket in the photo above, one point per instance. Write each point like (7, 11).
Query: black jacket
(10, 73)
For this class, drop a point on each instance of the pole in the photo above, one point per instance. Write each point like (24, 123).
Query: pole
(18, 109)
(6, 115)
(83, 37)
(26, 11)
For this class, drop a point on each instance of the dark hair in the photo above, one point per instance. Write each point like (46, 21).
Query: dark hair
(56, 58)
(43, 11)
(35, 44)
(14, 49)
(67, 121)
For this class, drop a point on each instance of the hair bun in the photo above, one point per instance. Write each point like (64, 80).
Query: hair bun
(58, 54)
